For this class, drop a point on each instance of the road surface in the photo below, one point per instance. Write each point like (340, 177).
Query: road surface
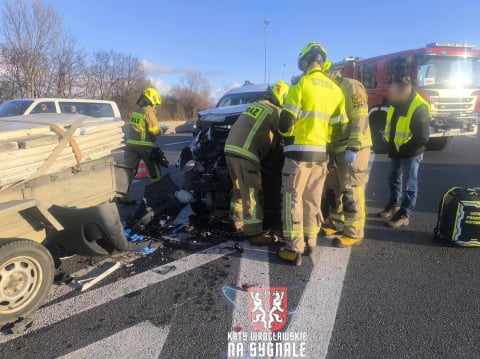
(398, 295)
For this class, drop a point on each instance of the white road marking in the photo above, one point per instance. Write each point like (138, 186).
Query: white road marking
(143, 340)
(254, 270)
(54, 313)
(176, 143)
(317, 309)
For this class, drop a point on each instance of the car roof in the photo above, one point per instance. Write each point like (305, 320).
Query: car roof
(47, 99)
(247, 89)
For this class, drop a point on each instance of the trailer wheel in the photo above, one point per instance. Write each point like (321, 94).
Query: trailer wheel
(438, 143)
(26, 276)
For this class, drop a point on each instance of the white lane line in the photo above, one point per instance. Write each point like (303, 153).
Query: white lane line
(317, 309)
(176, 143)
(143, 340)
(254, 270)
(82, 303)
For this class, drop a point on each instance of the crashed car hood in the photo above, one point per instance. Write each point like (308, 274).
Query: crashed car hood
(219, 113)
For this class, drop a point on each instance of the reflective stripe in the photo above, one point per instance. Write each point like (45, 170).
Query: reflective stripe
(314, 114)
(242, 152)
(403, 135)
(292, 234)
(141, 143)
(253, 207)
(338, 119)
(305, 148)
(312, 230)
(253, 132)
(287, 209)
(378, 108)
(293, 109)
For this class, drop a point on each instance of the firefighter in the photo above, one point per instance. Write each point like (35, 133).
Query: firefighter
(349, 170)
(250, 139)
(312, 107)
(142, 132)
(407, 133)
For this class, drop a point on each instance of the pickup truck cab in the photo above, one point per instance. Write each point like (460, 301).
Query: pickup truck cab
(29, 106)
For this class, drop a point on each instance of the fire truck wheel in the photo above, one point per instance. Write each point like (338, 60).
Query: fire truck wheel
(26, 275)
(438, 143)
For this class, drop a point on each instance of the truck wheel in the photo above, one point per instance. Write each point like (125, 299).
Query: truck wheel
(26, 275)
(438, 143)
(378, 119)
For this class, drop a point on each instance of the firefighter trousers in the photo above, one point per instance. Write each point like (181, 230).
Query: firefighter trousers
(246, 209)
(302, 187)
(348, 183)
(134, 153)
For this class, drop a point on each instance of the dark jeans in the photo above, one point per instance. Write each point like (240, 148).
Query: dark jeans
(404, 183)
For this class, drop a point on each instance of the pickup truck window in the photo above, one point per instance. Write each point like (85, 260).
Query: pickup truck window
(14, 108)
(87, 108)
(45, 107)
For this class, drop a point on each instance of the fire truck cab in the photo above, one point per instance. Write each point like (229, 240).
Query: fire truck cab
(446, 75)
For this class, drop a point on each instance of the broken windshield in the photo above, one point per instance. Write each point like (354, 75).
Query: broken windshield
(448, 71)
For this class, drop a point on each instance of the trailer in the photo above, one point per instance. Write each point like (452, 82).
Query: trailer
(57, 204)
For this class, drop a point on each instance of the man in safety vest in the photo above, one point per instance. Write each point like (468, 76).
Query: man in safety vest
(250, 139)
(407, 133)
(349, 170)
(314, 105)
(142, 132)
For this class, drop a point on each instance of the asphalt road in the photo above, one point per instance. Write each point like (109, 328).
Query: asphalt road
(398, 295)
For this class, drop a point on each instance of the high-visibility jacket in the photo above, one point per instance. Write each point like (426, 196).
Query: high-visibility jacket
(316, 104)
(143, 127)
(356, 134)
(252, 135)
(403, 132)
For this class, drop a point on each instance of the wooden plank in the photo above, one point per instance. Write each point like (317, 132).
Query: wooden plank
(38, 141)
(16, 176)
(20, 162)
(8, 146)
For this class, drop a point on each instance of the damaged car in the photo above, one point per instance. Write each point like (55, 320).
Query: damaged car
(207, 176)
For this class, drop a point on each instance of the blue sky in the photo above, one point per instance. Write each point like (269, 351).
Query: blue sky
(225, 39)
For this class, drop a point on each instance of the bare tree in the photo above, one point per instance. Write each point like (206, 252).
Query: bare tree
(30, 30)
(69, 66)
(194, 95)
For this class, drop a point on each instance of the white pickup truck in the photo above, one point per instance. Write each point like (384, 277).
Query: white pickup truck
(92, 108)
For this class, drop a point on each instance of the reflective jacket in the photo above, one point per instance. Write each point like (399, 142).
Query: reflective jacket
(315, 104)
(356, 134)
(143, 127)
(253, 133)
(403, 131)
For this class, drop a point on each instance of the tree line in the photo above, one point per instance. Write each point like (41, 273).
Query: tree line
(39, 57)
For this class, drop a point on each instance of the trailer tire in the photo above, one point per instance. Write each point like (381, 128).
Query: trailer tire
(26, 276)
(438, 143)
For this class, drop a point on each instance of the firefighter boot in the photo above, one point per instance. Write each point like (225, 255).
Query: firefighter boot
(342, 242)
(290, 256)
(309, 250)
(262, 239)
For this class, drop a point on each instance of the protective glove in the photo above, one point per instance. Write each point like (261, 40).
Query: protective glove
(350, 157)
(159, 157)
(164, 128)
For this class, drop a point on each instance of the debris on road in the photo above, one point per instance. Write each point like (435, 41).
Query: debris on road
(147, 250)
(166, 269)
(100, 277)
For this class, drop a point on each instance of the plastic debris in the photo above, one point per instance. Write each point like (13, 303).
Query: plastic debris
(237, 246)
(133, 238)
(147, 250)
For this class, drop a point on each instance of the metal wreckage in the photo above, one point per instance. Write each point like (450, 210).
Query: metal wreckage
(206, 189)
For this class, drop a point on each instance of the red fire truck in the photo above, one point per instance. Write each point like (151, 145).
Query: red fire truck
(445, 74)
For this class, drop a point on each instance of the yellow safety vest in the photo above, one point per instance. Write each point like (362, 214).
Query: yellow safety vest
(317, 104)
(403, 133)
